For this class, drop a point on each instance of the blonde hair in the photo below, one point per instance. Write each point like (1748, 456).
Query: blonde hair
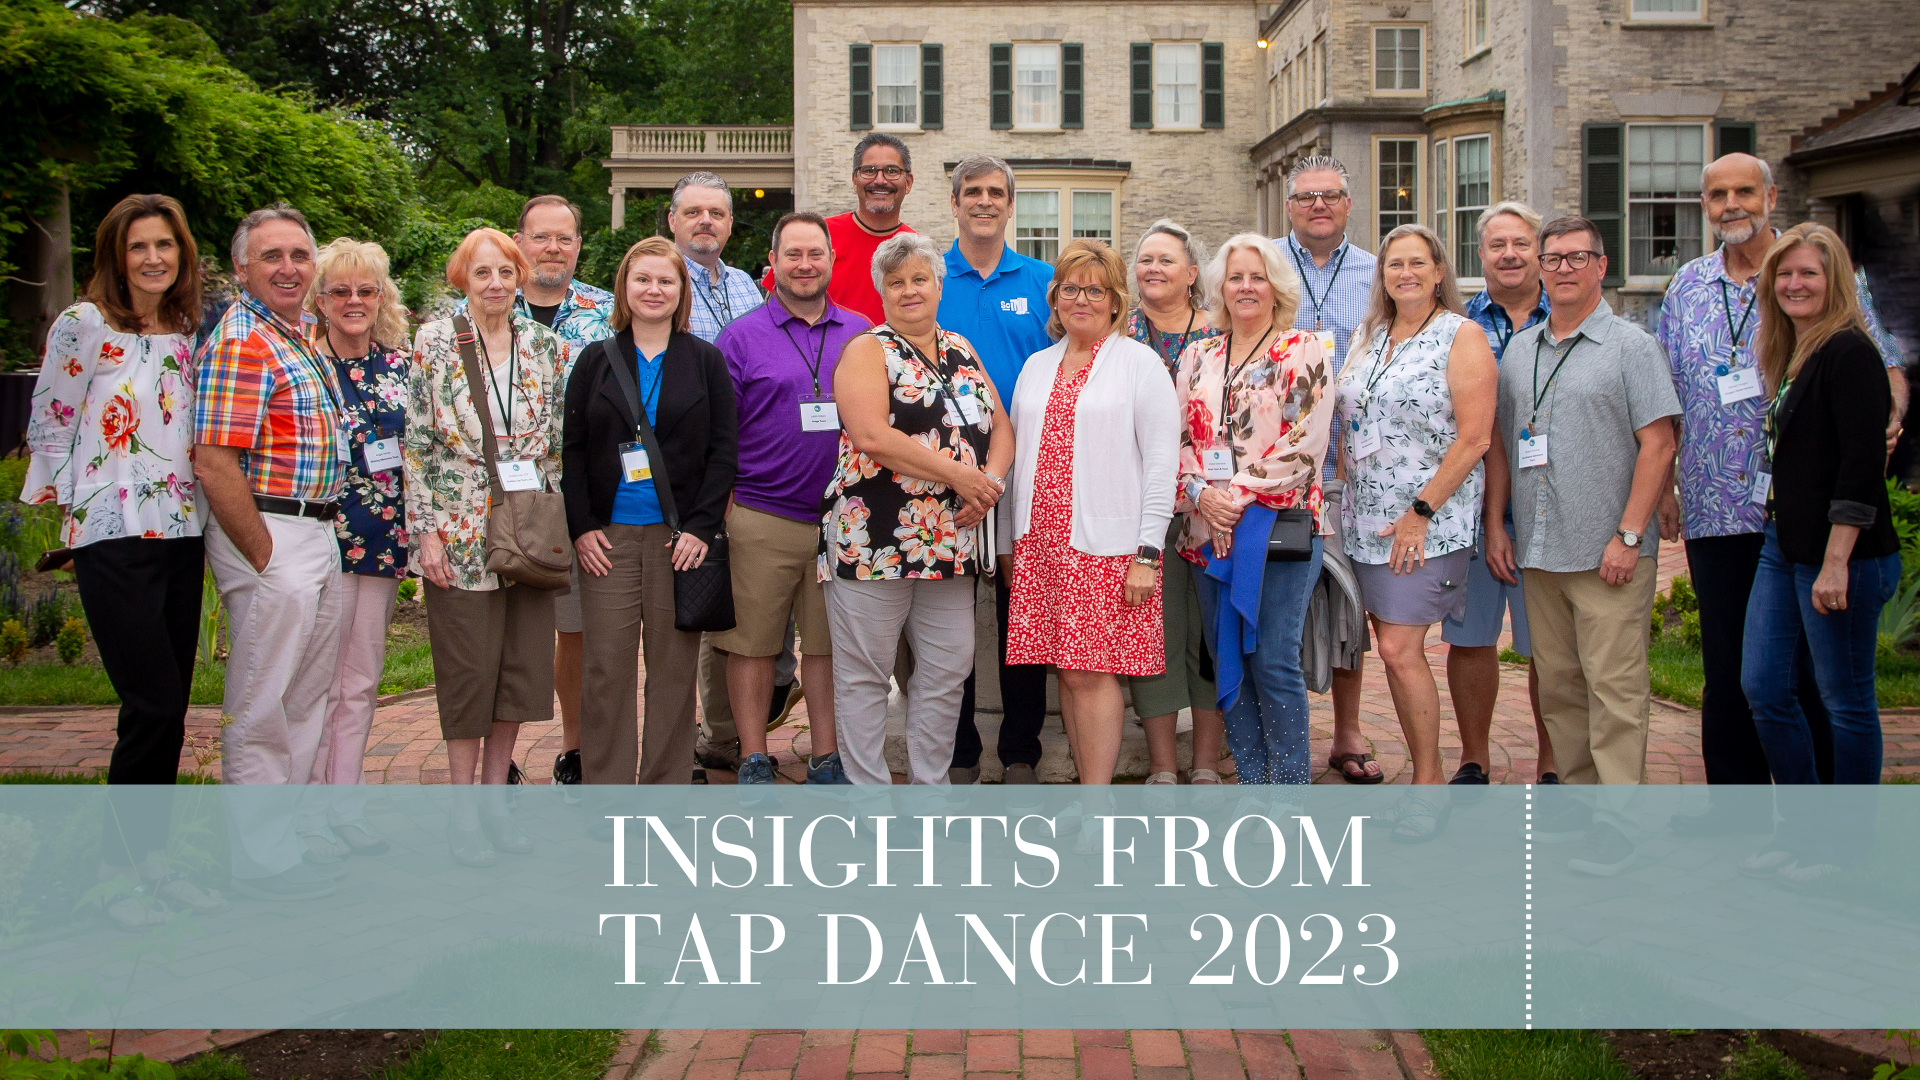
(664, 248)
(345, 257)
(1190, 245)
(1286, 284)
(1108, 272)
(1381, 307)
(1777, 345)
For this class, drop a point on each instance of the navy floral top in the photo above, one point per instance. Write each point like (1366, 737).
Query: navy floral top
(372, 523)
(1169, 346)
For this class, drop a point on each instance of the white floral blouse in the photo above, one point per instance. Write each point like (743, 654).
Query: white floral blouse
(445, 470)
(111, 435)
(1408, 403)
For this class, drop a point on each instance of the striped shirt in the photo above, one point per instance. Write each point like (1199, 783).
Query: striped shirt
(263, 388)
(716, 303)
(1333, 297)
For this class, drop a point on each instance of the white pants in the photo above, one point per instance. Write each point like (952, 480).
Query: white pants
(366, 607)
(867, 618)
(283, 640)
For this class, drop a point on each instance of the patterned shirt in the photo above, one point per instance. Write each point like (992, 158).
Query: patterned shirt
(1498, 324)
(719, 301)
(1722, 446)
(111, 432)
(263, 388)
(372, 523)
(1333, 297)
(581, 320)
(1169, 346)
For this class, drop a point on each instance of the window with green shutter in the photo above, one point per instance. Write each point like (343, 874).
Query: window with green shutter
(1072, 81)
(1733, 137)
(1603, 192)
(932, 101)
(1141, 65)
(860, 87)
(1213, 85)
(1000, 86)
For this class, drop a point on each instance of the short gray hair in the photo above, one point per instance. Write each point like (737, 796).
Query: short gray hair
(1196, 253)
(899, 249)
(279, 211)
(1316, 163)
(1517, 209)
(699, 179)
(977, 165)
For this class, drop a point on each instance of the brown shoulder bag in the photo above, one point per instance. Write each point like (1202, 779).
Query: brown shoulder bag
(527, 538)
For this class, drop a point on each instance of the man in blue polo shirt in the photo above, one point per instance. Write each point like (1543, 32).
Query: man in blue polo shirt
(997, 298)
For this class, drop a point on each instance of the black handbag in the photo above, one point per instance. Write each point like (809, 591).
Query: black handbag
(1292, 536)
(702, 596)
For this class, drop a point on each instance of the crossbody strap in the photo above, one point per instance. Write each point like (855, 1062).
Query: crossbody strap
(463, 336)
(626, 373)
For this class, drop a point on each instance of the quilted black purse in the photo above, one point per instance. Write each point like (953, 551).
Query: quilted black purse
(702, 596)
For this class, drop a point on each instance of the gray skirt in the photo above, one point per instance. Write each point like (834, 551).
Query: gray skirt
(1431, 593)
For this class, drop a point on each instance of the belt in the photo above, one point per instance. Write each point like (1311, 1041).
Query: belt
(309, 508)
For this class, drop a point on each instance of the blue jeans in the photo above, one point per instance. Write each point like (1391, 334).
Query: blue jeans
(1267, 725)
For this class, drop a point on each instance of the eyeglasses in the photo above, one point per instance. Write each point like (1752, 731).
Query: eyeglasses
(869, 172)
(341, 294)
(566, 243)
(1093, 293)
(1575, 260)
(1308, 198)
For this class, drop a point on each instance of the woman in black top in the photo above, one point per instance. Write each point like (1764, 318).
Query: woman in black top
(627, 551)
(1831, 558)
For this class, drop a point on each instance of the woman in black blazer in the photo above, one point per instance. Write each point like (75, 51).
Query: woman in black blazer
(627, 550)
(1831, 558)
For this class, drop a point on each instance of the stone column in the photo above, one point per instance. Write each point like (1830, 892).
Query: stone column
(619, 205)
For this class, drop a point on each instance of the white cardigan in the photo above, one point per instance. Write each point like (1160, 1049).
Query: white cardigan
(1126, 448)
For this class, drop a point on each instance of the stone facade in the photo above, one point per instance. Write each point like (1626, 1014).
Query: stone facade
(1202, 177)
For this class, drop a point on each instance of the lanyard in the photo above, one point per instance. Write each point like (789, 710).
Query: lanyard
(946, 391)
(1317, 301)
(310, 357)
(1538, 394)
(1154, 336)
(513, 375)
(359, 398)
(1384, 356)
(1746, 315)
(1499, 315)
(1232, 373)
(819, 353)
(718, 288)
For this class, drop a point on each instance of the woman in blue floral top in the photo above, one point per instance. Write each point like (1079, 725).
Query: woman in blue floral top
(362, 328)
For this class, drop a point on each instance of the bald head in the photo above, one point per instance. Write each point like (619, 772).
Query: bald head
(1737, 192)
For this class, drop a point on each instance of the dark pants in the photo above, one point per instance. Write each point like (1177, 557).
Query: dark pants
(1723, 568)
(142, 600)
(1023, 696)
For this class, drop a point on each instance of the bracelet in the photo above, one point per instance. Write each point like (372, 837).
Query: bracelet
(997, 481)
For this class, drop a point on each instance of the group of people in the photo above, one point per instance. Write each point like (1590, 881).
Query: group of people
(1162, 467)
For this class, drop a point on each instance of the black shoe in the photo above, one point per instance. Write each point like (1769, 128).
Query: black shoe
(1715, 823)
(566, 772)
(514, 775)
(1473, 776)
(780, 707)
(1564, 824)
(699, 775)
(1548, 778)
(723, 758)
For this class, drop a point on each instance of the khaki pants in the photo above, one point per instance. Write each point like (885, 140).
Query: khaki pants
(628, 609)
(1590, 649)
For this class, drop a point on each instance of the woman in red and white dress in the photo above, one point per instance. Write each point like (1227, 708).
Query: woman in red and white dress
(1097, 442)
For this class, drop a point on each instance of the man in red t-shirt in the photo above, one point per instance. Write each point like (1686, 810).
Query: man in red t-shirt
(882, 177)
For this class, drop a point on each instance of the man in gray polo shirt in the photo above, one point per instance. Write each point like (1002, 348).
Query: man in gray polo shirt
(1584, 410)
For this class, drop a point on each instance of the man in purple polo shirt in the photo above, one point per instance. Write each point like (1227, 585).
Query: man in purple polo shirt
(782, 355)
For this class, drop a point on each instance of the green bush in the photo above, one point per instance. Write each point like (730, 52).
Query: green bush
(1690, 629)
(46, 617)
(1758, 1061)
(13, 641)
(72, 641)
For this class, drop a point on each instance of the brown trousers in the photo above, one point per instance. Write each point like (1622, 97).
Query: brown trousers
(629, 609)
(1590, 650)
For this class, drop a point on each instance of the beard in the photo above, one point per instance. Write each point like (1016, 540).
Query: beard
(703, 244)
(550, 275)
(1737, 231)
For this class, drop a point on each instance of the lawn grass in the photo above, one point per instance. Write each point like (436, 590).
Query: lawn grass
(409, 663)
(1676, 671)
(1495, 1054)
(409, 666)
(538, 1054)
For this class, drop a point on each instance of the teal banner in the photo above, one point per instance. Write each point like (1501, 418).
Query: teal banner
(980, 907)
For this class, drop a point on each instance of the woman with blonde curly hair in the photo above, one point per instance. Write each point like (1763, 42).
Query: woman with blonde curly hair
(361, 327)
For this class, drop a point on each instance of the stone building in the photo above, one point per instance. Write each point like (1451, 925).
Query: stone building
(1607, 107)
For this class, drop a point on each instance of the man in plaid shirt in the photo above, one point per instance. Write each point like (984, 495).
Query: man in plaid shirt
(269, 450)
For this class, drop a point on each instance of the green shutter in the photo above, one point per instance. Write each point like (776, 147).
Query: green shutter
(859, 87)
(1213, 85)
(932, 100)
(1603, 192)
(1072, 93)
(1000, 88)
(1142, 80)
(1732, 137)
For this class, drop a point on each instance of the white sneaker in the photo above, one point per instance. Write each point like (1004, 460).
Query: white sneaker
(1766, 862)
(1800, 875)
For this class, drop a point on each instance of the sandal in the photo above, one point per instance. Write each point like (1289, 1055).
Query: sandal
(1418, 820)
(360, 836)
(322, 841)
(1341, 761)
(135, 909)
(1160, 800)
(505, 834)
(469, 847)
(177, 888)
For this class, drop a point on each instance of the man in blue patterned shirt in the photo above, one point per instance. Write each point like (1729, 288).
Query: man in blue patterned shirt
(701, 218)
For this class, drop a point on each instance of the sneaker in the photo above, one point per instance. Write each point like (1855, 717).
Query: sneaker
(1606, 852)
(713, 756)
(323, 841)
(827, 769)
(327, 865)
(566, 771)
(757, 769)
(1766, 862)
(1564, 824)
(300, 882)
(1020, 773)
(958, 775)
(780, 708)
(1800, 875)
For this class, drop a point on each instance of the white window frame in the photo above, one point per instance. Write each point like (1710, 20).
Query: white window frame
(1466, 216)
(1048, 116)
(1038, 246)
(1688, 202)
(1163, 51)
(1637, 13)
(1320, 92)
(1073, 213)
(1477, 32)
(1412, 214)
(1442, 193)
(912, 51)
(1420, 63)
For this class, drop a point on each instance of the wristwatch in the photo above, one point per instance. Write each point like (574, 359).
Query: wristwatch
(1628, 537)
(1148, 555)
(1423, 508)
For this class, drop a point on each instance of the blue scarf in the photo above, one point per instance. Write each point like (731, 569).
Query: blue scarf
(1237, 621)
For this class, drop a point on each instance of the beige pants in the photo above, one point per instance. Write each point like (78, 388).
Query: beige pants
(1590, 650)
(628, 609)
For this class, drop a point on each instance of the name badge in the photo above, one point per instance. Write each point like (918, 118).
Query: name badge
(634, 466)
(1366, 440)
(520, 475)
(1739, 385)
(383, 455)
(968, 405)
(819, 414)
(1533, 450)
(1217, 461)
(343, 440)
(1762, 487)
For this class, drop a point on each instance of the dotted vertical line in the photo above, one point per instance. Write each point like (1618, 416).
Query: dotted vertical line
(1529, 901)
